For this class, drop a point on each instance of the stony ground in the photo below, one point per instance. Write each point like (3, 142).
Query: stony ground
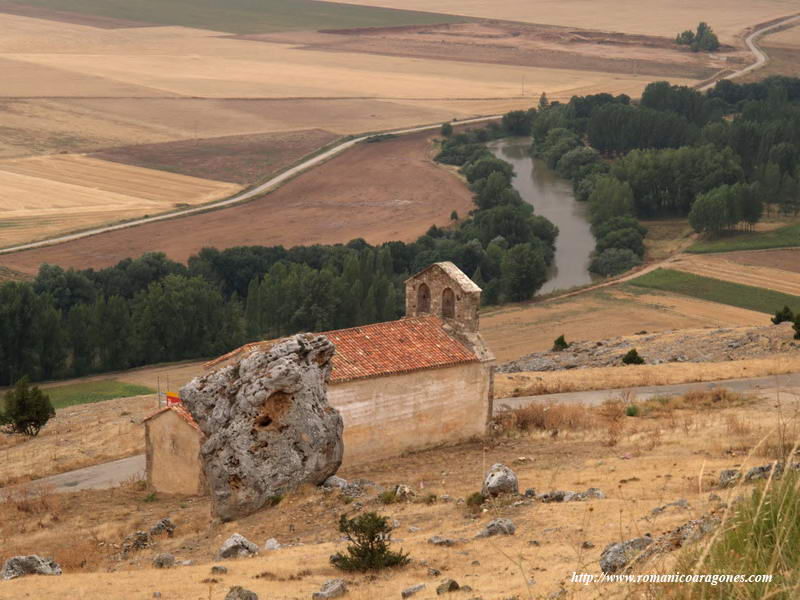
(689, 345)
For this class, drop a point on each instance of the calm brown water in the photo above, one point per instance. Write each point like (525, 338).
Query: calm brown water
(552, 197)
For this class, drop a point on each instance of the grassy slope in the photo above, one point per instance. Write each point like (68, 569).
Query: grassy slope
(780, 238)
(716, 290)
(246, 16)
(93, 391)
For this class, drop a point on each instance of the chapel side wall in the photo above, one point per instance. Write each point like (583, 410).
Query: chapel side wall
(173, 456)
(386, 416)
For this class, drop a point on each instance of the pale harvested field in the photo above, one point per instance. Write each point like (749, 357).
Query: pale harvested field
(648, 17)
(786, 259)
(42, 196)
(363, 192)
(767, 273)
(519, 329)
(652, 461)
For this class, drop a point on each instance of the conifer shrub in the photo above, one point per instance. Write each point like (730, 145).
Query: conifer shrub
(632, 358)
(26, 409)
(369, 535)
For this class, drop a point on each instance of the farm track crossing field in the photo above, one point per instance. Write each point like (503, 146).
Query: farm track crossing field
(728, 268)
(717, 290)
(239, 16)
(383, 191)
(42, 196)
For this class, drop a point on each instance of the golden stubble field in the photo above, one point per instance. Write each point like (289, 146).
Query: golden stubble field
(641, 464)
(648, 17)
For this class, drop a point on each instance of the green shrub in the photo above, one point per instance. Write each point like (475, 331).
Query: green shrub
(26, 409)
(632, 410)
(797, 327)
(614, 261)
(369, 536)
(429, 499)
(446, 130)
(560, 344)
(632, 358)
(785, 314)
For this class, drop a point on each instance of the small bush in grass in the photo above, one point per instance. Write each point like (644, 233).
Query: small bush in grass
(446, 130)
(369, 536)
(560, 344)
(797, 327)
(429, 499)
(454, 215)
(785, 314)
(26, 409)
(632, 358)
(475, 501)
(388, 497)
(762, 536)
(632, 410)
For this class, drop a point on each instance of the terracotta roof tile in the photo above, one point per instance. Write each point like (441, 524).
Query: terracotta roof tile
(180, 410)
(402, 346)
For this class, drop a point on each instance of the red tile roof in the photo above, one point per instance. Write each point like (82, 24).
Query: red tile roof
(403, 346)
(181, 411)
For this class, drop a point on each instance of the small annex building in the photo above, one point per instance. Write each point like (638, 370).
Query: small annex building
(421, 381)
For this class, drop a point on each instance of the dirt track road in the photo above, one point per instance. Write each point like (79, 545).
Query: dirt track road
(112, 474)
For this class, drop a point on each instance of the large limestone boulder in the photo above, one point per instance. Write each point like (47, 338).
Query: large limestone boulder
(499, 480)
(268, 424)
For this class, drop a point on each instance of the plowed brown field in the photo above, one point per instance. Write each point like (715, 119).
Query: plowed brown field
(739, 268)
(383, 191)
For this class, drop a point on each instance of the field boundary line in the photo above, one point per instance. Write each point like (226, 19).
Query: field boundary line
(249, 194)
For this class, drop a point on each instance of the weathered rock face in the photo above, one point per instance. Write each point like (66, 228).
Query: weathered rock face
(268, 425)
(616, 557)
(17, 566)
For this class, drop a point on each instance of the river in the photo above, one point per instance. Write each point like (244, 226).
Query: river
(552, 197)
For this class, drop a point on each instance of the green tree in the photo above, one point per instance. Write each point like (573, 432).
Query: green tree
(369, 535)
(26, 409)
(446, 130)
(523, 272)
(783, 315)
(610, 198)
(560, 344)
(517, 122)
(614, 261)
(544, 103)
(632, 358)
(80, 327)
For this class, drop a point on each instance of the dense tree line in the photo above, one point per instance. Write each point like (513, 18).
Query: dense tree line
(703, 39)
(736, 146)
(151, 309)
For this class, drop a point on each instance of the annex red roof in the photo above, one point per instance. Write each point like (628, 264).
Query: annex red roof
(181, 411)
(402, 346)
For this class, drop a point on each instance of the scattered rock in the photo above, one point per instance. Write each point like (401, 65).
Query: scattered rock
(219, 570)
(165, 560)
(448, 585)
(587, 545)
(239, 593)
(330, 589)
(728, 477)
(570, 496)
(163, 526)
(688, 533)
(498, 527)
(438, 540)
(272, 544)
(19, 566)
(499, 480)
(403, 492)
(237, 546)
(530, 493)
(187, 563)
(616, 557)
(273, 404)
(434, 572)
(138, 540)
(408, 592)
(335, 481)
(681, 503)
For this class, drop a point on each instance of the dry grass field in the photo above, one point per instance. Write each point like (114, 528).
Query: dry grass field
(514, 330)
(647, 17)
(363, 192)
(772, 269)
(675, 450)
(784, 54)
(43, 196)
